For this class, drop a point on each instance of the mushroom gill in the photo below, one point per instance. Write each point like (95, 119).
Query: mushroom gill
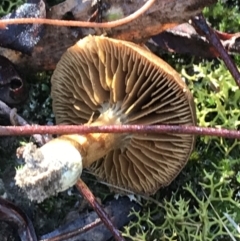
(104, 76)
(103, 81)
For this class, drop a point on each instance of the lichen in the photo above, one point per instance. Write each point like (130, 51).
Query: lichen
(217, 100)
(193, 212)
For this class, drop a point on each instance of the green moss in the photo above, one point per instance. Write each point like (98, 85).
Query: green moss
(38, 108)
(114, 13)
(224, 16)
(7, 6)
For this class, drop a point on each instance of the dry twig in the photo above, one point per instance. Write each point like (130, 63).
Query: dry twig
(68, 23)
(74, 129)
(74, 233)
(18, 219)
(163, 15)
(82, 187)
(201, 25)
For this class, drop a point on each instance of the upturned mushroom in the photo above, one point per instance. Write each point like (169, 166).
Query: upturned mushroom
(103, 81)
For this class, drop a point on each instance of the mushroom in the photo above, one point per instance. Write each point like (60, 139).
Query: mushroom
(103, 81)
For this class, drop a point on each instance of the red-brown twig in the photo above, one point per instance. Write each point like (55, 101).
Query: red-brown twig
(73, 129)
(201, 24)
(71, 234)
(13, 215)
(65, 23)
(82, 187)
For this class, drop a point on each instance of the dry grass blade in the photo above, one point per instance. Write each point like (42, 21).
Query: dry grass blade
(228, 231)
(232, 222)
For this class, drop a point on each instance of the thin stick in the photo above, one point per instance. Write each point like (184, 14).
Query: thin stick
(13, 215)
(65, 23)
(73, 129)
(16, 119)
(82, 187)
(5, 110)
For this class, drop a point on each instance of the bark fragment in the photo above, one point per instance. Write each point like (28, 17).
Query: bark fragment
(163, 15)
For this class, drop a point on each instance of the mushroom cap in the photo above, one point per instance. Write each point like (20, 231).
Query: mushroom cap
(98, 73)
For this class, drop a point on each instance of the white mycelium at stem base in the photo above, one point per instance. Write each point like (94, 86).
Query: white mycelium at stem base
(48, 170)
(57, 165)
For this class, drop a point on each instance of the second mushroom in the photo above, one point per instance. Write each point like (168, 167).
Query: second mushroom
(103, 81)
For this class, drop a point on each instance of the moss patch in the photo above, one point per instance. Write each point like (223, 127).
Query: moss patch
(7, 6)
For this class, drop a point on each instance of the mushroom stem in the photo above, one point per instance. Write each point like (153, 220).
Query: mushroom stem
(57, 165)
(92, 146)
